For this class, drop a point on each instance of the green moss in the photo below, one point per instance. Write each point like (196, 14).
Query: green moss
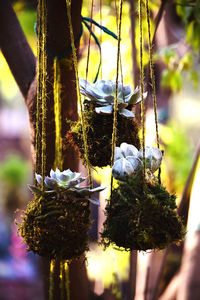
(57, 225)
(142, 218)
(99, 136)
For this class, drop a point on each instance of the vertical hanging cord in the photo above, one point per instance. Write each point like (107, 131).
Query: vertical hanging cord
(44, 96)
(152, 78)
(57, 111)
(78, 90)
(121, 71)
(39, 91)
(66, 266)
(51, 272)
(142, 84)
(62, 281)
(89, 41)
(114, 134)
(100, 4)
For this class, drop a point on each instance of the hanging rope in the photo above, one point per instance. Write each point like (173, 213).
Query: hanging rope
(51, 279)
(121, 71)
(152, 75)
(83, 123)
(44, 96)
(89, 41)
(39, 92)
(66, 266)
(62, 281)
(100, 5)
(58, 117)
(114, 134)
(142, 84)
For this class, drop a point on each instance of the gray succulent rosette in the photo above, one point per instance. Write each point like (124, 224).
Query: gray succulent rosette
(102, 95)
(128, 161)
(65, 181)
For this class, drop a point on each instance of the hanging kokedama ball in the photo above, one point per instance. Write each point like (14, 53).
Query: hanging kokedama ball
(56, 222)
(141, 213)
(98, 116)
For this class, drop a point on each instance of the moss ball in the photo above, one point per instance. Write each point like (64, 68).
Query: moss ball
(142, 218)
(57, 226)
(99, 130)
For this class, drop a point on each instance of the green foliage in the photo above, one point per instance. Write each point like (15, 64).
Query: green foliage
(193, 35)
(172, 79)
(190, 14)
(178, 68)
(27, 18)
(179, 161)
(194, 77)
(13, 171)
(186, 62)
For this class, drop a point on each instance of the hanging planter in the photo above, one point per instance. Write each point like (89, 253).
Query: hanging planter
(141, 213)
(56, 222)
(98, 116)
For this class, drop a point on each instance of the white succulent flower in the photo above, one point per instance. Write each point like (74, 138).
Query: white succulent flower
(123, 168)
(128, 161)
(153, 158)
(102, 94)
(66, 178)
(66, 181)
(125, 150)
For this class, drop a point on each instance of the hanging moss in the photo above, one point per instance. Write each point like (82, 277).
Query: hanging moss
(99, 136)
(57, 225)
(142, 218)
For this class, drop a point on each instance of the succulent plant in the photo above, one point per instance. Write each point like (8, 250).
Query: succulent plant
(153, 158)
(102, 95)
(142, 217)
(56, 222)
(66, 181)
(128, 161)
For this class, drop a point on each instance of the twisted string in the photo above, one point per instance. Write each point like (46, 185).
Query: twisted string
(58, 119)
(142, 85)
(152, 75)
(44, 95)
(62, 281)
(121, 71)
(39, 92)
(75, 62)
(89, 27)
(101, 39)
(89, 41)
(114, 134)
(51, 281)
(66, 267)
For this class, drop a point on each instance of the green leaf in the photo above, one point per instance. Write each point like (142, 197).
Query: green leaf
(194, 77)
(176, 81)
(190, 32)
(172, 79)
(186, 62)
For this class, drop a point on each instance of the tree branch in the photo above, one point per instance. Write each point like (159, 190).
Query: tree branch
(15, 48)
